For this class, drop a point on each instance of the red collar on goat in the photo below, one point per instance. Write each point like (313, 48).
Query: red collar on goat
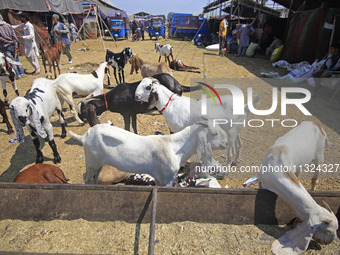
(106, 105)
(170, 99)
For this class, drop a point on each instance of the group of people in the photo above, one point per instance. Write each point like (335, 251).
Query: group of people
(9, 43)
(136, 26)
(242, 41)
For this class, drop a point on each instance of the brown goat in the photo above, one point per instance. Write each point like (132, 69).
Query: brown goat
(111, 175)
(178, 65)
(42, 173)
(5, 118)
(148, 69)
(51, 55)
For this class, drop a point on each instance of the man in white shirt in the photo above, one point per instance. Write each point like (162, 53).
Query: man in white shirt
(31, 49)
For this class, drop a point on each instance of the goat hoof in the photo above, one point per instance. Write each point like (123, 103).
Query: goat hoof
(233, 164)
(39, 160)
(57, 159)
(63, 135)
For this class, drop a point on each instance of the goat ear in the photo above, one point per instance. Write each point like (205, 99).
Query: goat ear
(296, 241)
(36, 120)
(153, 98)
(204, 151)
(18, 127)
(327, 206)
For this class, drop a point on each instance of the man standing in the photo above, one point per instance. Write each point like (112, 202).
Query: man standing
(142, 27)
(9, 44)
(60, 32)
(222, 34)
(244, 32)
(31, 49)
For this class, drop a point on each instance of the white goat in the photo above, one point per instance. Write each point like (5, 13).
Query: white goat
(164, 50)
(82, 84)
(298, 147)
(34, 111)
(181, 111)
(156, 155)
(7, 74)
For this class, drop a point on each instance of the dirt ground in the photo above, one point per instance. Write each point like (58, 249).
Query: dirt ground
(203, 238)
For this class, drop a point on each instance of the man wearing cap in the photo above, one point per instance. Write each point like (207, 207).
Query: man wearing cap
(31, 48)
(60, 32)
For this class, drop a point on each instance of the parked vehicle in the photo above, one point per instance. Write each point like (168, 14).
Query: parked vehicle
(118, 24)
(156, 27)
(183, 26)
(137, 35)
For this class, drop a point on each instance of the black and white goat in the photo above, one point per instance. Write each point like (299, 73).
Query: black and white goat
(34, 111)
(121, 99)
(118, 61)
(7, 74)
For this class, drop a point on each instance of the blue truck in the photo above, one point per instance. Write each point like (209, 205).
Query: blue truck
(183, 25)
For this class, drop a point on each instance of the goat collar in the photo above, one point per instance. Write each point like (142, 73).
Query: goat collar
(106, 105)
(170, 99)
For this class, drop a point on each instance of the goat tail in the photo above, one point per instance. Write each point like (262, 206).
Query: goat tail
(188, 88)
(75, 136)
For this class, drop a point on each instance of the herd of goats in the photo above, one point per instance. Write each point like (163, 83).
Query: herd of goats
(113, 154)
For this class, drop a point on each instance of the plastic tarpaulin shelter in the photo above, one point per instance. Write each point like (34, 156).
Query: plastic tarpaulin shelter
(58, 6)
(116, 13)
(308, 37)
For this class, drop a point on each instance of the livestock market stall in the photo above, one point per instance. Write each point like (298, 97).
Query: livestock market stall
(37, 202)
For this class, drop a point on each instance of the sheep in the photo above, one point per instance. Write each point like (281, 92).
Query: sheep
(5, 118)
(164, 50)
(7, 75)
(42, 173)
(51, 55)
(34, 111)
(148, 69)
(82, 84)
(121, 99)
(180, 112)
(157, 155)
(118, 61)
(299, 146)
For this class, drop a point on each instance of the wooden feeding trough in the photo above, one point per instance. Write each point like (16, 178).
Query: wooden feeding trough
(137, 204)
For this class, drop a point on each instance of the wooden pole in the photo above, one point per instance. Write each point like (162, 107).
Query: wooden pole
(100, 32)
(153, 222)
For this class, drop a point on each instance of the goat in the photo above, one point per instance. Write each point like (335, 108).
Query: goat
(42, 173)
(81, 84)
(121, 99)
(34, 111)
(51, 55)
(7, 75)
(180, 112)
(299, 146)
(178, 65)
(111, 175)
(118, 61)
(5, 118)
(164, 50)
(157, 155)
(148, 69)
